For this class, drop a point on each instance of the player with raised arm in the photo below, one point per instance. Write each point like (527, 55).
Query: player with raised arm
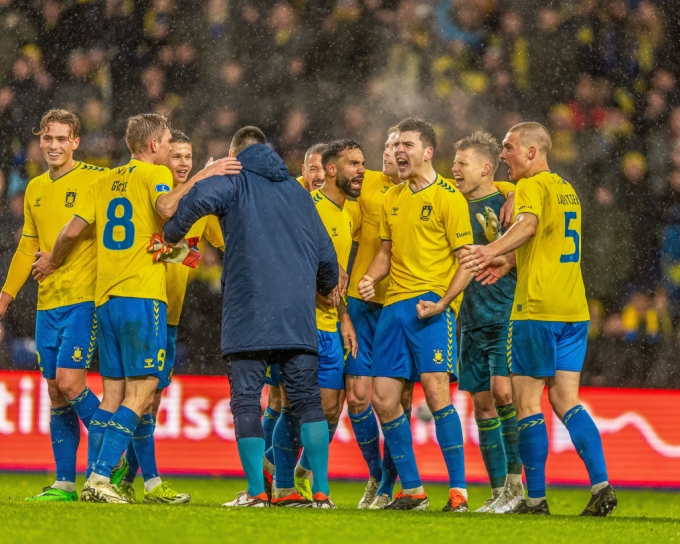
(484, 317)
(142, 452)
(343, 162)
(425, 222)
(549, 322)
(66, 327)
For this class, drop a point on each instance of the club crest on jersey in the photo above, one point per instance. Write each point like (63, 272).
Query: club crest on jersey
(77, 354)
(426, 212)
(438, 357)
(70, 199)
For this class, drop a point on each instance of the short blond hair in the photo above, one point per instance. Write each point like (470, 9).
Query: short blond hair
(63, 117)
(143, 128)
(531, 133)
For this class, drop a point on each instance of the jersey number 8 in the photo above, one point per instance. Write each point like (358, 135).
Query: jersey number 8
(124, 221)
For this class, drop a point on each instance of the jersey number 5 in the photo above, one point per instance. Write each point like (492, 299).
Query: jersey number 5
(124, 221)
(571, 233)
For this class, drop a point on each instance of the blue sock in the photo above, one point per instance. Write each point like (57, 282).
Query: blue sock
(586, 438)
(269, 419)
(533, 448)
(491, 448)
(314, 437)
(389, 471)
(269, 452)
(510, 437)
(251, 450)
(450, 438)
(365, 427)
(85, 405)
(286, 442)
(117, 437)
(133, 464)
(304, 462)
(65, 433)
(96, 430)
(145, 447)
(400, 441)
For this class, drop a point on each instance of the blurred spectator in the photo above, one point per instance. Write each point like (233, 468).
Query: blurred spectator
(73, 93)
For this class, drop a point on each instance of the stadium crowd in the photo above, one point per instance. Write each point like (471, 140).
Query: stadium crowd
(598, 73)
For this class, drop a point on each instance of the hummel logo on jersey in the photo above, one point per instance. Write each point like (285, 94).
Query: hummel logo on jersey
(70, 199)
(394, 211)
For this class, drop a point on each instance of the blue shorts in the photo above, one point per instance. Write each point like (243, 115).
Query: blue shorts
(331, 360)
(482, 355)
(170, 354)
(406, 347)
(65, 337)
(132, 337)
(273, 375)
(539, 348)
(364, 316)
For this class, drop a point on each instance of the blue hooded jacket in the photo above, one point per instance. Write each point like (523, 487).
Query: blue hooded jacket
(278, 253)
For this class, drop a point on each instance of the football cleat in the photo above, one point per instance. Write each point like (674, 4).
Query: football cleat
(244, 500)
(380, 502)
(601, 504)
(164, 494)
(369, 495)
(508, 499)
(457, 502)
(50, 493)
(303, 487)
(523, 508)
(486, 508)
(128, 491)
(322, 501)
(294, 500)
(268, 482)
(102, 492)
(119, 473)
(402, 501)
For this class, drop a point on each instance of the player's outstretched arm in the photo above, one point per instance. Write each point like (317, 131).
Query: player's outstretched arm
(477, 258)
(19, 271)
(47, 263)
(460, 280)
(166, 205)
(378, 270)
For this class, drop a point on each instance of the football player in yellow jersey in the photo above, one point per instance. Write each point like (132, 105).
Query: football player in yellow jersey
(66, 327)
(180, 164)
(312, 169)
(127, 204)
(344, 174)
(425, 222)
(549, 322)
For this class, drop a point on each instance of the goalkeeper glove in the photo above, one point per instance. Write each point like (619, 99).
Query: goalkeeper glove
(490, 224)
(186, 253)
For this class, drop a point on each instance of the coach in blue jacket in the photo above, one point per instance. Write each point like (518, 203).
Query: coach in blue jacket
(278, 254)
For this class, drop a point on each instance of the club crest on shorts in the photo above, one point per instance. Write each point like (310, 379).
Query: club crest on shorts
(425, 212)
(438, 357)
(77, 354)
(70, 199)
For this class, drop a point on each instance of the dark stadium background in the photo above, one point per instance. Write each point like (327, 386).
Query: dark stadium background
(601, 74)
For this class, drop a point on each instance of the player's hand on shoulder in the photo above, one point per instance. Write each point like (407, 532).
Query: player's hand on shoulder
(43, 266)
(366, 288)
(227, 166)
(427, 308)
(185, 252)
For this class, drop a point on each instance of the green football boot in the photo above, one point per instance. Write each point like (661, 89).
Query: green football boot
(53, 494)
(164, 494)
(119, 473)
(128, 491)
(303, 487)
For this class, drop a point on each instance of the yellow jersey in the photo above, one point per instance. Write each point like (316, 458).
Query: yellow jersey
(369, 210)
(301, 181)
(178, 274)
(549, 282)
(425, 228)
(48, 205)
(122, 203)
(338, 223)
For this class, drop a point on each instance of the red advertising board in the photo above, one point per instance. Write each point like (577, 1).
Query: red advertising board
(195, 433)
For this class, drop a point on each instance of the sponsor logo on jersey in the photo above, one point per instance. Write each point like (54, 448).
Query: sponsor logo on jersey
(162, 188)
(394, 211)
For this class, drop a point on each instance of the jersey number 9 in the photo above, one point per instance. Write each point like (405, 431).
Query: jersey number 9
(124, 221)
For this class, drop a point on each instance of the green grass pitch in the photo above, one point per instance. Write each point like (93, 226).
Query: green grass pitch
(642, 516)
